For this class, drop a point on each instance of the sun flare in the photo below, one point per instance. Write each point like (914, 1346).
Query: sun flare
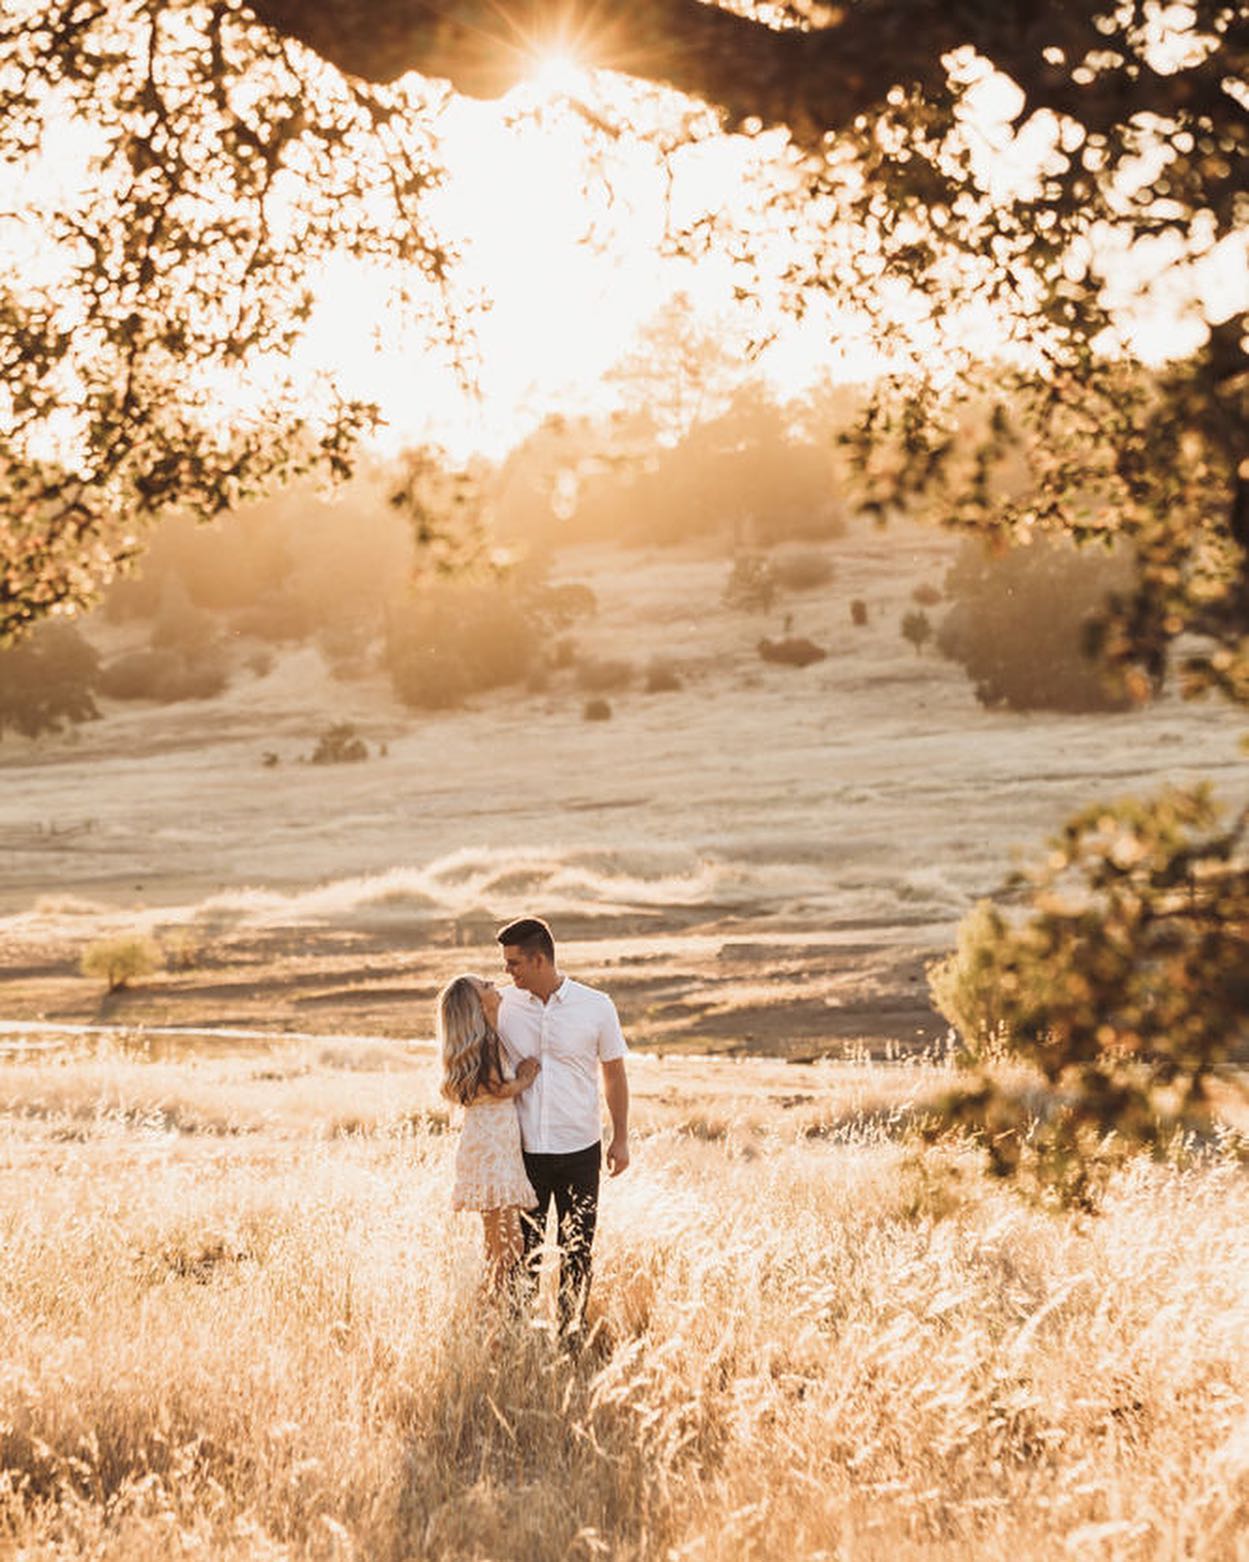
(557, 73)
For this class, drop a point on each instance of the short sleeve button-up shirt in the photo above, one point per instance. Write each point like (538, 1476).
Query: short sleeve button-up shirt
(575, 1030)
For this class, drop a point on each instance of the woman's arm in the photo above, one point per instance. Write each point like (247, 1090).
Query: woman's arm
(505, 1089)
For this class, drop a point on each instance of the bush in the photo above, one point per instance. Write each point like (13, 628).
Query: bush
(926, 595)
(48, 680)
(751, 586)
(123, 960)
(804, 571)
(596, 710)
(662, 677)
(858, 613)
(339, 745)
(1121, 989)
(167, 677)
(1020, 622)
(966, 987)
(796, 651)
(917, 628)
(603, 677)
(458, 639)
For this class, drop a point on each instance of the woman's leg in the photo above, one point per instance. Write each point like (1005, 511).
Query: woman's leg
(503, 1248)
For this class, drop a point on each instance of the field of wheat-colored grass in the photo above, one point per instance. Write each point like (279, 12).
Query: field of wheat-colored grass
(238, 1320)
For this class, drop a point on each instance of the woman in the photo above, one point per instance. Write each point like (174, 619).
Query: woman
(489, 1172)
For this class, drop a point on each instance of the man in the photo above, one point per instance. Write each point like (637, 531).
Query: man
(573, 1030)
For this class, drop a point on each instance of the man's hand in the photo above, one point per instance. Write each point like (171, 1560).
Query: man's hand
(616, 1089)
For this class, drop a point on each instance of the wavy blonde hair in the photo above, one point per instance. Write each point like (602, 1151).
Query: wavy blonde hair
(471, 1059)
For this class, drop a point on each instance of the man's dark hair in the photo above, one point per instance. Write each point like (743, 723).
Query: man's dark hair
(529, 934)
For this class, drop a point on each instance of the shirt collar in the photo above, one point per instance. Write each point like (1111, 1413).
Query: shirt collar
(558, 996)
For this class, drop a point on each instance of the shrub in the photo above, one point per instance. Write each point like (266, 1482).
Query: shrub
(926, 595)
(122, 960)
(804, 571)
(596, 710)
(457, 639)
(966, 987)
(1121, 989)
(1020, 621)
(47, 680)
(603, 677)
(751, 585)
(167, 677)
(858, 613)
(339, 745)
(917, 628)
(796, 651)
(662, 677)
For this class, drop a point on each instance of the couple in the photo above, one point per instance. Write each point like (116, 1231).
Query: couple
(523, 1064)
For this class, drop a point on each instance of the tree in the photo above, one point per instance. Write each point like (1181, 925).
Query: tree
(917, 628)
(1121, 986)
(122, 960)
(1019, 621)
(48, 680)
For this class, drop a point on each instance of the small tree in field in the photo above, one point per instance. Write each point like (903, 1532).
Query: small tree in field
(123, 960)
(1119, 993)
(48, 680)
(917, 628)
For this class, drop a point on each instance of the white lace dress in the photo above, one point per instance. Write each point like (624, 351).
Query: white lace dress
(489, 1172)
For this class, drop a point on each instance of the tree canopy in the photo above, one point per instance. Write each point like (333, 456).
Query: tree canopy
(233, 147)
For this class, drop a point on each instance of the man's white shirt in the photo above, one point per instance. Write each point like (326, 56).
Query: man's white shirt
(575, 1030)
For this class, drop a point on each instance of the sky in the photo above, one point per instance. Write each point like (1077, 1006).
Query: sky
(573, 270)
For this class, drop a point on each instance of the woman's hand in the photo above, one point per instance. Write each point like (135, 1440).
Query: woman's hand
(527, 1071)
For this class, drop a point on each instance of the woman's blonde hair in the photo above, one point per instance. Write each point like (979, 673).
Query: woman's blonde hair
(469, 1043)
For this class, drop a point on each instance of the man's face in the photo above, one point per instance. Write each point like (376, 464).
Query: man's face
(523, 968)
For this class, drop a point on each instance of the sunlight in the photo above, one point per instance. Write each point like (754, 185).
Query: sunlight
(556, 73)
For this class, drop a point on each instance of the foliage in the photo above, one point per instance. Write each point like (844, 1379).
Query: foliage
(805, 571)
(48, 680)
(1021, 622)
(597, 709)
(218, 170)
(168, 677)
(735, 466)
(793, 651)
(122, 960)
(457, 638)
(1123, 986)
(858, 613)
(917, 628)
(339, 745)
(662, 676)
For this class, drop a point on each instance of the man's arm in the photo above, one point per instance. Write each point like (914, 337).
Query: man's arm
(616, 1090)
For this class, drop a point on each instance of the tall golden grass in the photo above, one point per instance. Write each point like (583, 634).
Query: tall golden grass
(812, 1337)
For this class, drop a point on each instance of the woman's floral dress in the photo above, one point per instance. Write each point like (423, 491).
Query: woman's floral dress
(489, 1171)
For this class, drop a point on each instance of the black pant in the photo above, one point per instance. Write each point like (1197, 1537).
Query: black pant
(572, 1181)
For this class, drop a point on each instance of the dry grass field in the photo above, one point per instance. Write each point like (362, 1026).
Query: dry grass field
(239, 1320)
